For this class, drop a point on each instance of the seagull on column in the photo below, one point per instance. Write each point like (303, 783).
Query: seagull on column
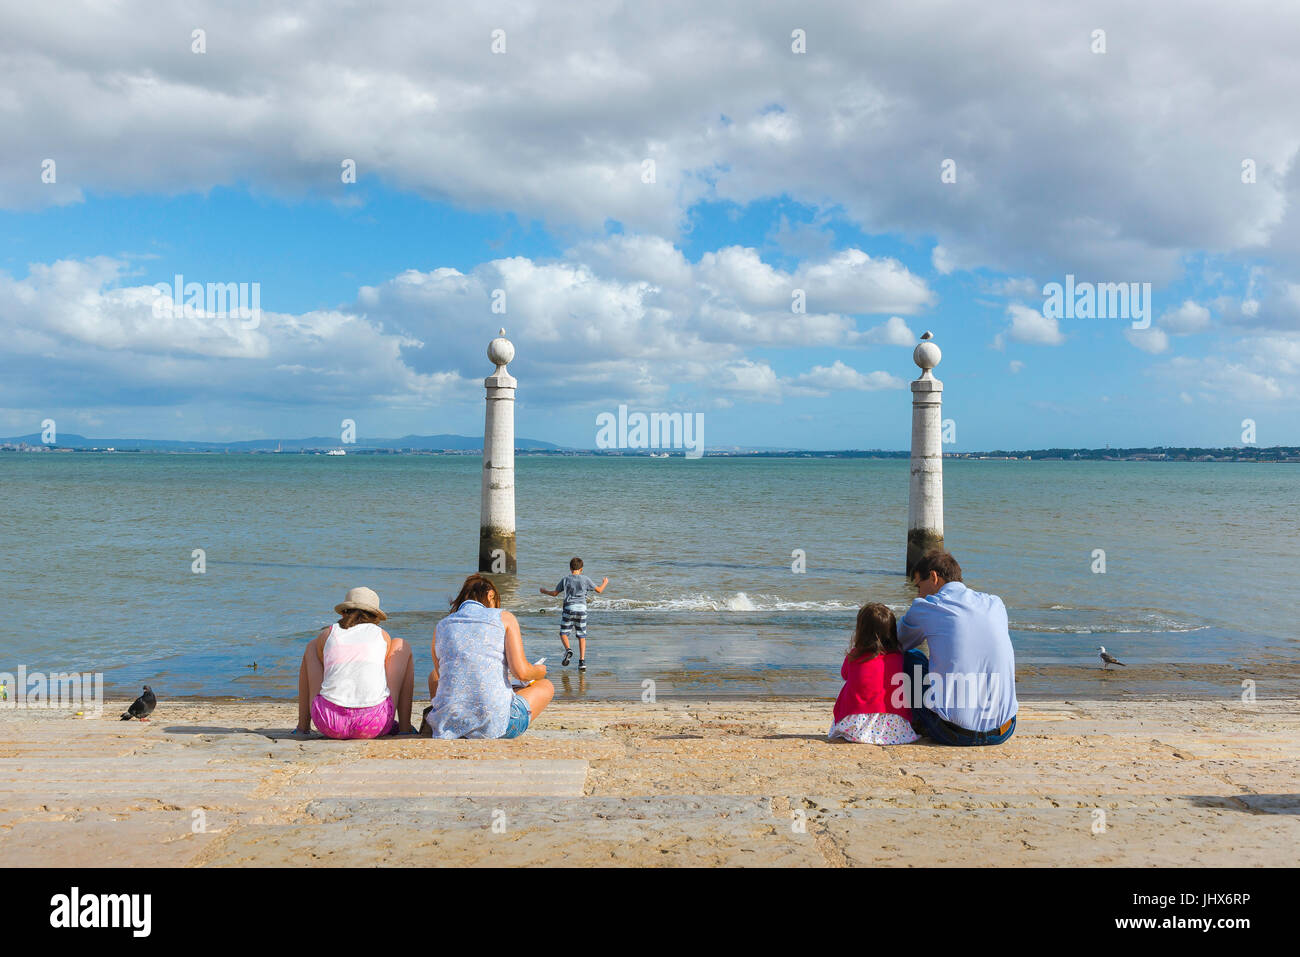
(1108, 659)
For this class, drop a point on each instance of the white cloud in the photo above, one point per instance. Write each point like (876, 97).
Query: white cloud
(1017, 288)
(1015, 366)
(557, 128)
(1187, 319)
(638, 323)
(1029, 326)
(757, 381)
(849, 281)
(1271, 304)
(1227, 379)
(894, 332)
(644, 306)
(1249, 372)
(1153, 339)
(754, 380)
(648, 258)
(941, 260)
(81, 336)
(838, 376)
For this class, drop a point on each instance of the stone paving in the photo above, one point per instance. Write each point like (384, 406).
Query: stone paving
(1156, 782)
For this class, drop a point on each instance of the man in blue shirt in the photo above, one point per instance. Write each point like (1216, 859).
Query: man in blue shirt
(965, 692)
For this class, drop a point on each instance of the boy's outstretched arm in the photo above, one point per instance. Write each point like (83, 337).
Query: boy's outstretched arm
(601, 587)
(547, 591)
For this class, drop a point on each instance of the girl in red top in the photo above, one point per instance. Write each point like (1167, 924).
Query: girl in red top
(865, 711)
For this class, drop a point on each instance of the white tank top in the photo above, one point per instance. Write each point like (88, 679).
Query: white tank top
(354, 666)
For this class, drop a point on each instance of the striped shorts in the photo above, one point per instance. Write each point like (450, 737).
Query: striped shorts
(574, 621)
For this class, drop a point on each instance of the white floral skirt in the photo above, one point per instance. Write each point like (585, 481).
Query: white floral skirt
(874, 729)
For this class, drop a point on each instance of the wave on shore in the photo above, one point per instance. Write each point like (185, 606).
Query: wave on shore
(739, 602)
(1084, 621)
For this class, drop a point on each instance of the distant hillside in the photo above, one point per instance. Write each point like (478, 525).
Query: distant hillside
(465, 443)
(418, 443)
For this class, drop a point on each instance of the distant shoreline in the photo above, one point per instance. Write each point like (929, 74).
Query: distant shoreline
(1270, 455)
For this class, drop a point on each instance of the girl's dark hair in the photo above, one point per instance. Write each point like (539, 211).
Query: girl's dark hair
(876, 633)
(477, 588)
(356, 616)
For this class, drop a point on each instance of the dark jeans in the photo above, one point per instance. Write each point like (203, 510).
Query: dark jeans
(926, 722)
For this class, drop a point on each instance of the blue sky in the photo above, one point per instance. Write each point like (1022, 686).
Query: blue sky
(775, 171)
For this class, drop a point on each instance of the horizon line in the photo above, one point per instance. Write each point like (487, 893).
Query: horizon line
(361, 445)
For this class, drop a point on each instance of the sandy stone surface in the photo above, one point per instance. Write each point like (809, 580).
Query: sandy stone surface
(1174, 782)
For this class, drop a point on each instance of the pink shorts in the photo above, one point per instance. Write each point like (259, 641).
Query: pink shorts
(336, 721)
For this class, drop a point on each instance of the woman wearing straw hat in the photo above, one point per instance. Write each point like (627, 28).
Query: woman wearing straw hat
(356, 680)
(475, 649)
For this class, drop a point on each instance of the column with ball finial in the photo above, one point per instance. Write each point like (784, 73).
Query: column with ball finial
(925, 493)
(496, 537)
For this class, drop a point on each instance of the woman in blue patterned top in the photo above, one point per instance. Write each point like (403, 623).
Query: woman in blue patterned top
(475, 649)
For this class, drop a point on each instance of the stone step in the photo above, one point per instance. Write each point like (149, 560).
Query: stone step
(383, 777)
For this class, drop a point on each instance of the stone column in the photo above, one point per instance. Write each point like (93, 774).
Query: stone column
(925, 498)
(496, 536)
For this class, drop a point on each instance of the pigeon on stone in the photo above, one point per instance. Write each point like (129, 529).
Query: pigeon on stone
(1108, 659)
(141, 707)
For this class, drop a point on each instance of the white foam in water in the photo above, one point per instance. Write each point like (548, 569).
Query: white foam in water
(739, 602)
(1157, 626)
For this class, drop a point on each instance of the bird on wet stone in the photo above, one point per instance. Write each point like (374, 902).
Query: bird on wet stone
(1108, 659)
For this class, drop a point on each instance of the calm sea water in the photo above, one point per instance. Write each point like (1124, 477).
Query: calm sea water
(1201, 564)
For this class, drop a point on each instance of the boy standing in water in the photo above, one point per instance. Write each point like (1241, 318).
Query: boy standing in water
(574, 587)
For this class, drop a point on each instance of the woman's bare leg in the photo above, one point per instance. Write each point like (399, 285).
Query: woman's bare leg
(425, 729)
(400, 672)
(304, 699)
(538, 695)
(310, 675)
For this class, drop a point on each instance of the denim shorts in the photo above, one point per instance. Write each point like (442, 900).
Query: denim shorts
(518, 718)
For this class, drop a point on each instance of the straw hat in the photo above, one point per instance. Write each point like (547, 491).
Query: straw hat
(364, 599)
